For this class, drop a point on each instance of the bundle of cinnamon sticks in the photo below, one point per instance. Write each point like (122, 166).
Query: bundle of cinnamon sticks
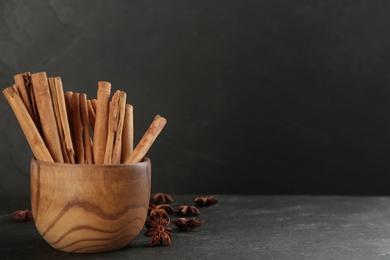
(70, 128)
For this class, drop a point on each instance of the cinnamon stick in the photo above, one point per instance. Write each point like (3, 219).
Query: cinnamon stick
(46, 115)
(68, 97)
(23, 86)
(65, 121)
(91, 113)
(60, 110)
(94, 104)
(86, 132)
(117, 150)
(147, 140)
(23, 91)
(27, 125)
(78, 128)
(128, 133)
(68, 101)
(112, 127)
(54, 100)
(101, 120)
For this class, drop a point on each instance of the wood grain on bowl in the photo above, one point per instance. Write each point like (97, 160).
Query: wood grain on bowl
(89, 208)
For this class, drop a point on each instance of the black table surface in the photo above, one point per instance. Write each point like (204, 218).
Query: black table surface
(239, 227)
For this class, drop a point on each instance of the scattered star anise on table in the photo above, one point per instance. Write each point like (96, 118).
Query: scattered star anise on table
(161, 198)
(158, 216)
(185, 210)
(22, 215)
(157, 227)
(205, 201)
(186, 224)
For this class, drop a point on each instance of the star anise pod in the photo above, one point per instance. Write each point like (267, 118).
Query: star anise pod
(151, 207)
(205, 201)
(22, 215)
(185, 210)
(158, 214)
(186, 224)
(161, 198)
(168, 208)
(157, 227)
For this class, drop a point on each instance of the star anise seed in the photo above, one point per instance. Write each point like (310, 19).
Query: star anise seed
(161, 198)
(151, 207)
(157, 227)
(168, 208)
(186, 210)
(205, 201)
(22, 215)
(158, 214)
(186, 224)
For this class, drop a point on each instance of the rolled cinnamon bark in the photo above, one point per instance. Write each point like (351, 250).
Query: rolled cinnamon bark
(117, 150)
(101, 120)
(86, 133)
(112, 127)
(78, 128)
(91, 113)
(23, 86)
(23, 91)
(68, 97)
(67, 136)
(147, 140)
(27, 125)
(54, 100)
(128, 133)
(68, 104)
(33, 102)
(46, 115)
(94, 104)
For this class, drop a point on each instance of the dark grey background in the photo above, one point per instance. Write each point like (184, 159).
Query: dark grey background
(261, 97)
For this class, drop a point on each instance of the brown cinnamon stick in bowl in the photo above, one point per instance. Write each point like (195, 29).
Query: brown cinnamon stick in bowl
(94, 104)
(117, 149)
(111, 127)
(59, 106)
(147, 140)
(27, 125)
(128, 133)
(54, 99)
(101, 120)
(23, 91)
(23, 86)
(115, 128)
(64, 120)
(86, 131)
(91, 113)
(68, 102)
(78, 128)
(46, 115)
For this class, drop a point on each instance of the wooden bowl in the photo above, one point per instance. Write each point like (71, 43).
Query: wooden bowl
(89, 208)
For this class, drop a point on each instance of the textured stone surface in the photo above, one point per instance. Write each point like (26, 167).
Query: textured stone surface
(242, 227)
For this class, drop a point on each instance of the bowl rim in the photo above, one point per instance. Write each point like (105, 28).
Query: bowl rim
(145, 161)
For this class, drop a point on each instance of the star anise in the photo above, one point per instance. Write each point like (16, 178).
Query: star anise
(157, 227)
(168, 208)
(185, 210)
(186, 224)
(151, 207)
(205, 201)
(161, 198)
(22, 215)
